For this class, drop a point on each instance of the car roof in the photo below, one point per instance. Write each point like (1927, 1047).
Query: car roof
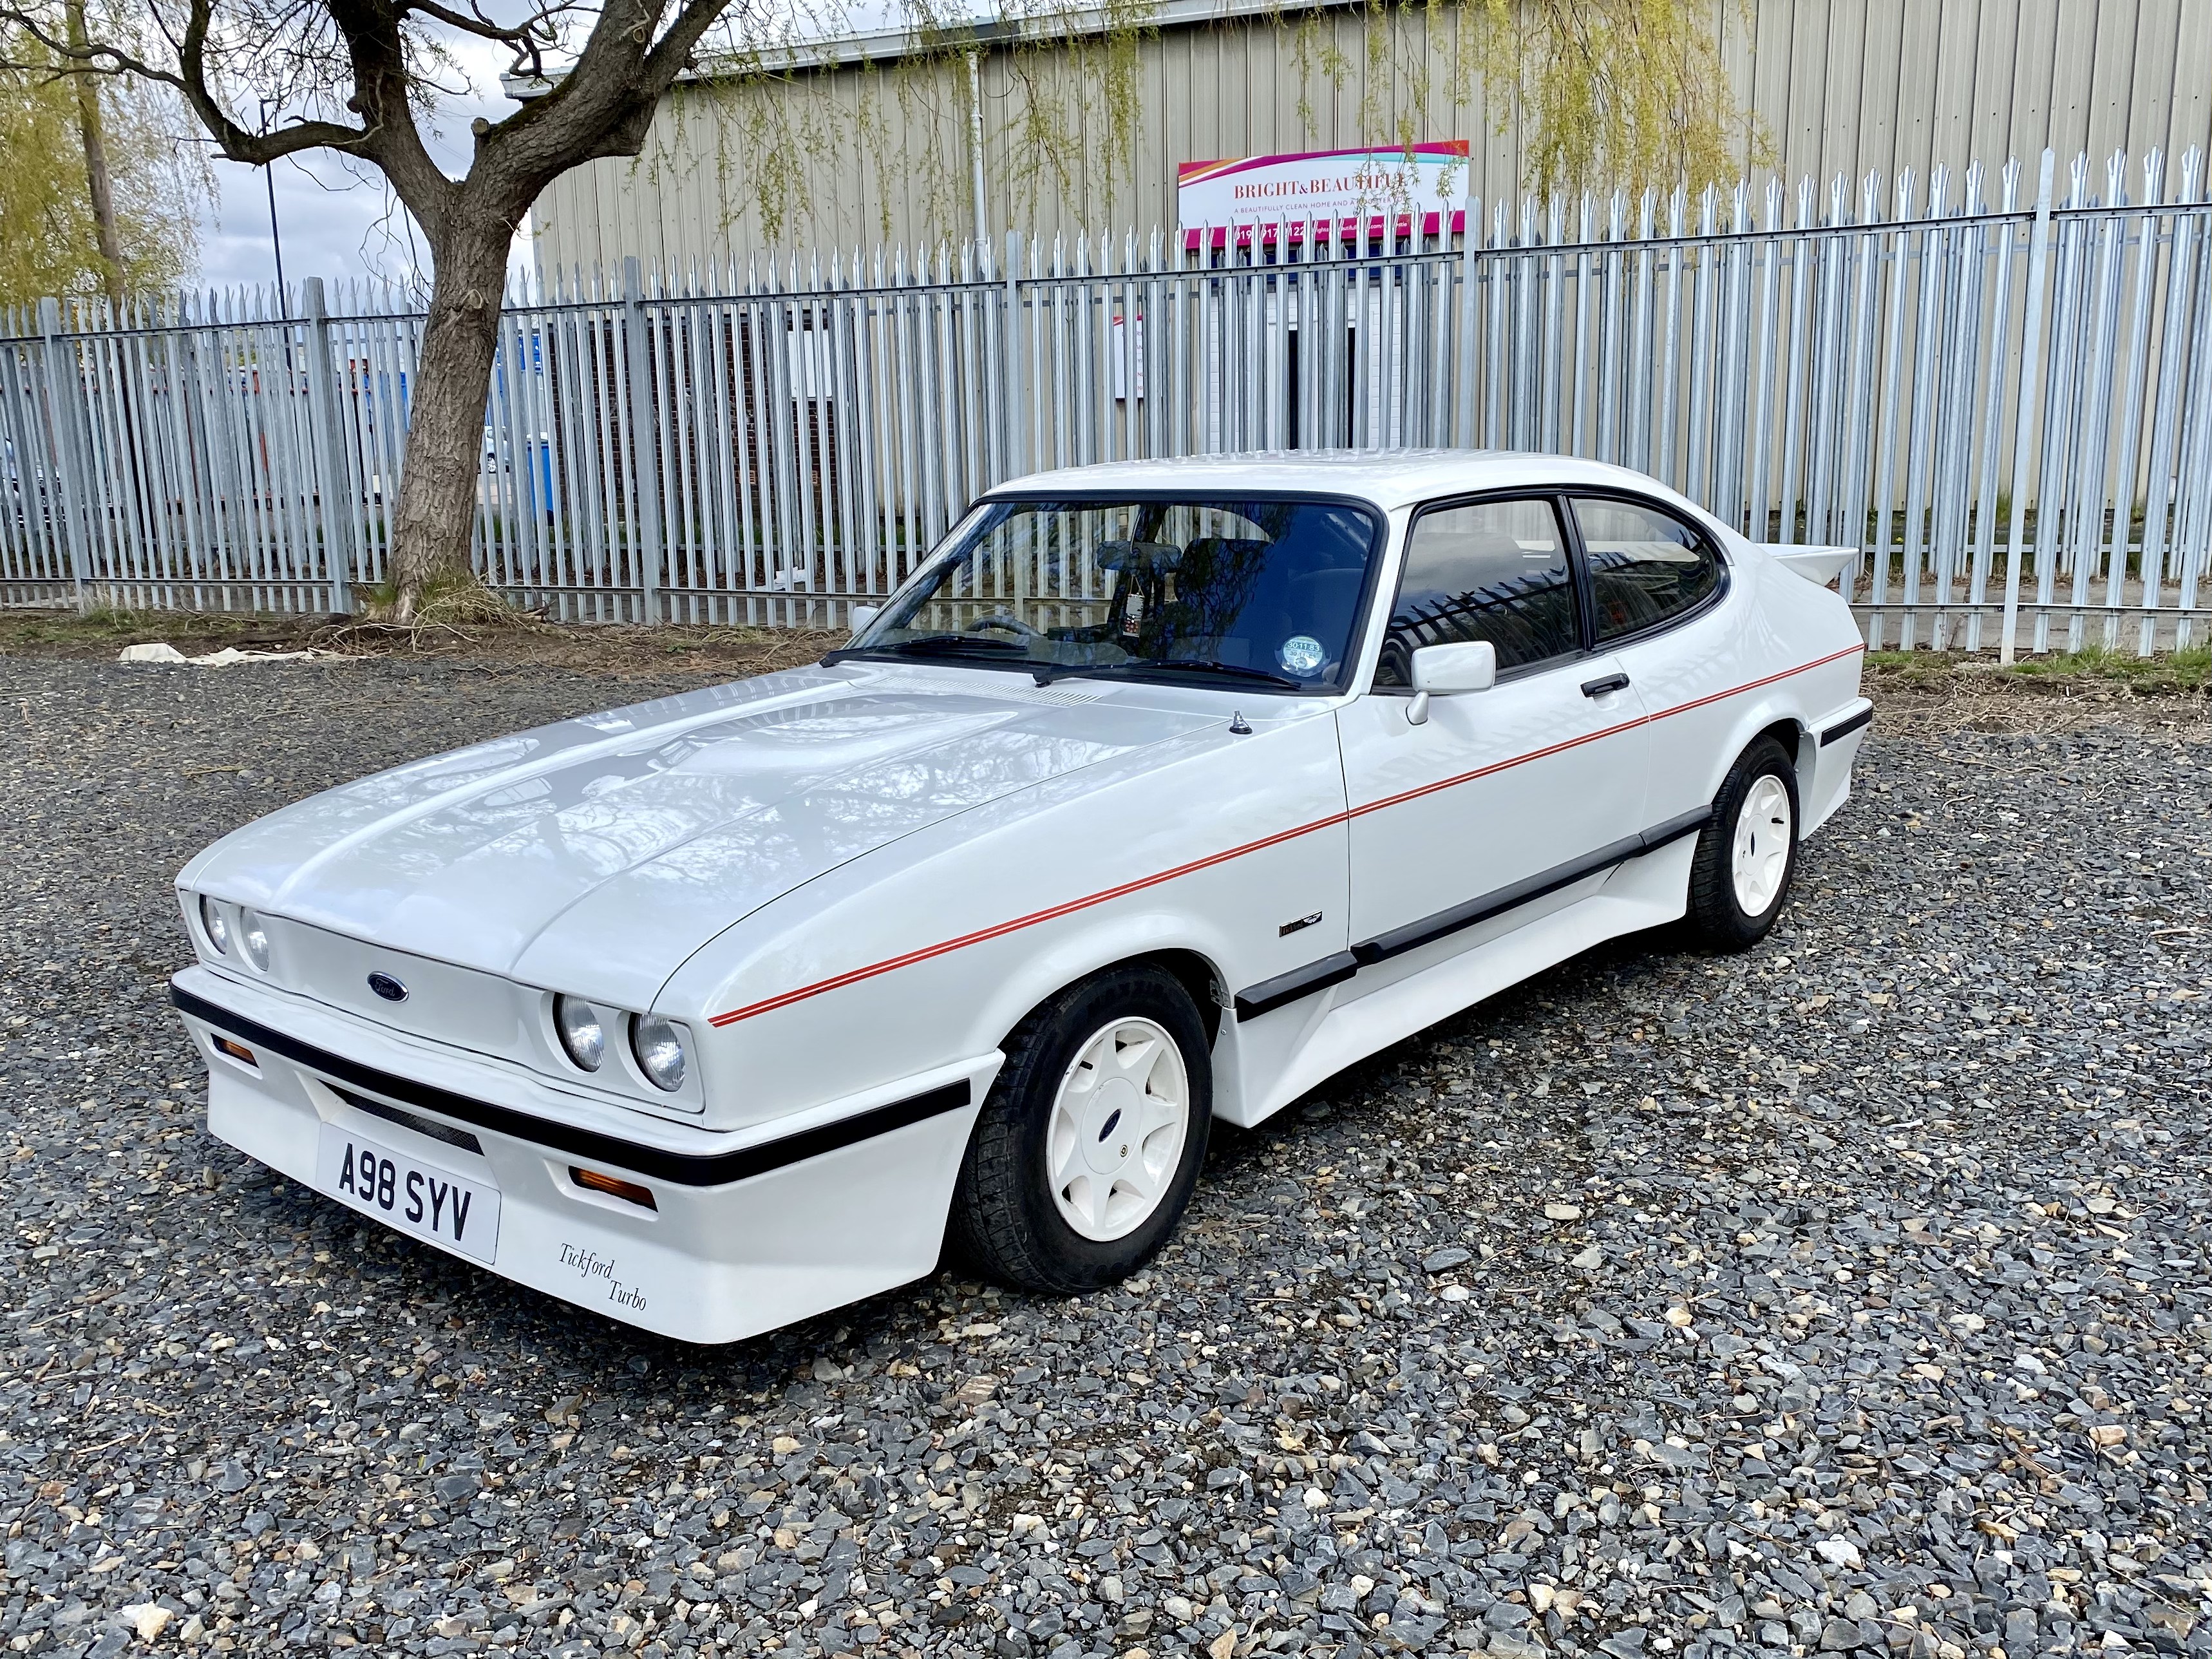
(1387, 477)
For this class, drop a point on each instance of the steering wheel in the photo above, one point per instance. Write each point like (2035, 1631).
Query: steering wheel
(1012, 624)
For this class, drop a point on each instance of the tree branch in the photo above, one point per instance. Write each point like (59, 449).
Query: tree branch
(473, 23)
(528, 39)
(237, 142)
(93, 58)
(667, 59)
(257, 149)
(604, 104)
(391, 138)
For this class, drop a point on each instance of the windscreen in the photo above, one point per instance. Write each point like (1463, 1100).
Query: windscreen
(1267, 592)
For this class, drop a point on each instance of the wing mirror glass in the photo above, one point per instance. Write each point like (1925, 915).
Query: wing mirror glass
(862, 615)
(1451, 671)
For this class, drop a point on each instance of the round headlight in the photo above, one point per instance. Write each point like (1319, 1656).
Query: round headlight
(253, 937)
(212, 922)
(581, 1033)
(659, 1045)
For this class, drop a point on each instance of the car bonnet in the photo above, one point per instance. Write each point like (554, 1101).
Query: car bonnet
(594, 856)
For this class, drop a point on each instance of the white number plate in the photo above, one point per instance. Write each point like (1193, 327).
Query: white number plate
(415, 1197)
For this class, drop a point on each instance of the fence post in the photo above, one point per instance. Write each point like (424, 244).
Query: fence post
(62, 422)
(2031, 353)
(1017, 403)
(1469, 253)
(330, 458)
(644, 444)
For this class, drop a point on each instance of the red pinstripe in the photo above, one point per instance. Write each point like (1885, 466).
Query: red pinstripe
(1592, 737)
(1755, 686)
(856, 975)
(1496, 766)
(1020, 922)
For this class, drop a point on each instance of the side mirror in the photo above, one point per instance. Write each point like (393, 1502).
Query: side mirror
(1445, 670)
(862, 615)
(1451, 671)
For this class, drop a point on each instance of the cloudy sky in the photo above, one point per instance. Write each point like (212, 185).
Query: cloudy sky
(338, 219)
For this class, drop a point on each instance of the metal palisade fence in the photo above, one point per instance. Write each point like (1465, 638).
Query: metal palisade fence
(1999, 389)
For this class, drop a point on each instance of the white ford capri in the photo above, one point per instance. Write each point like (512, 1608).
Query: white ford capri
(1160, 793)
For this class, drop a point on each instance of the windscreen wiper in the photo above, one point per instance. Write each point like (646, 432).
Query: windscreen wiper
(1048, 673)
(933, 645)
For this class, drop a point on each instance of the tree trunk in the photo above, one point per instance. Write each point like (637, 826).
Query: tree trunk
(95, 165)
(446, 404)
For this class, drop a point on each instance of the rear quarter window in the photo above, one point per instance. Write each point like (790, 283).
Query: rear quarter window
(1646, 566)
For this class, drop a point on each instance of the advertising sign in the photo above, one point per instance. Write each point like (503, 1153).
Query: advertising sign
(1337, 190)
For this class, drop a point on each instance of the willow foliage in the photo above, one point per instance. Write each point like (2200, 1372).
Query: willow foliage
(48, 243)
(1620, 94)
(1604, 94)
(1065, 103)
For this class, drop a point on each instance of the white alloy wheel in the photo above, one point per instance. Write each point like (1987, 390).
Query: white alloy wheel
(1761, 855)
(1117, 1130)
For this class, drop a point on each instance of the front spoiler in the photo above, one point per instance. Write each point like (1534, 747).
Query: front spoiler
(686, 1169)
(788, 1226)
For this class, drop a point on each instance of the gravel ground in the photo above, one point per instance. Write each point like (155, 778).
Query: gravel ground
(1848, 1294)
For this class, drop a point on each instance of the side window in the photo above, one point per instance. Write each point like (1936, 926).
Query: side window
(1490, 570)
(1645, 566)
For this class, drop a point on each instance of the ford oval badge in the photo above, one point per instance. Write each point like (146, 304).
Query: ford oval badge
(387, 988)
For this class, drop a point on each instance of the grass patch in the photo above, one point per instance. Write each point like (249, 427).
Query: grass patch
(457, 624)
(451, 599)
(106, 628)
(2178, 673)
(1930, 669)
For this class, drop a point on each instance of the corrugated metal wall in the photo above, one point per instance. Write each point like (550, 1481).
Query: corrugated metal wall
(859, 156)
(1846, 86)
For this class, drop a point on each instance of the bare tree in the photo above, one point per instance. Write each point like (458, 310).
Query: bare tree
(358, 77)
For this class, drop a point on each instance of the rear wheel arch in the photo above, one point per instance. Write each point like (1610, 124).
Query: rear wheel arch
(1797, 739)
(1801, 745)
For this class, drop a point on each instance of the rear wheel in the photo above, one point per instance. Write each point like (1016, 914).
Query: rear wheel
(1739, 879)
(1085, 1154)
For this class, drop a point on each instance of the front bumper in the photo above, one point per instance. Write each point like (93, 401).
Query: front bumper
(752, 1229)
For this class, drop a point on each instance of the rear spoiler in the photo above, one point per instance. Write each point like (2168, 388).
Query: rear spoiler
(1817, 565)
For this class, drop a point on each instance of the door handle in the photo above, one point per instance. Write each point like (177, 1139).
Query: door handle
(1611, 683)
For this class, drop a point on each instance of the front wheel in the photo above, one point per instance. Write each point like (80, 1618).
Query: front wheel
(1086, 1151)
(1747, 855)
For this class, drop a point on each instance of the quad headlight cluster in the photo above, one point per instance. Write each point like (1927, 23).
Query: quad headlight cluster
(235, 932)
(657, 1043)
(659, 1046)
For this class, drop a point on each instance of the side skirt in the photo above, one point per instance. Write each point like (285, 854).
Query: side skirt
(1301, 982)
(1347, 1034)
(1296, 985)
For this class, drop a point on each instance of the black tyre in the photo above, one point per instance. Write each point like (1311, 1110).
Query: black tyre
(1087, 1152)
(1746, 856)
